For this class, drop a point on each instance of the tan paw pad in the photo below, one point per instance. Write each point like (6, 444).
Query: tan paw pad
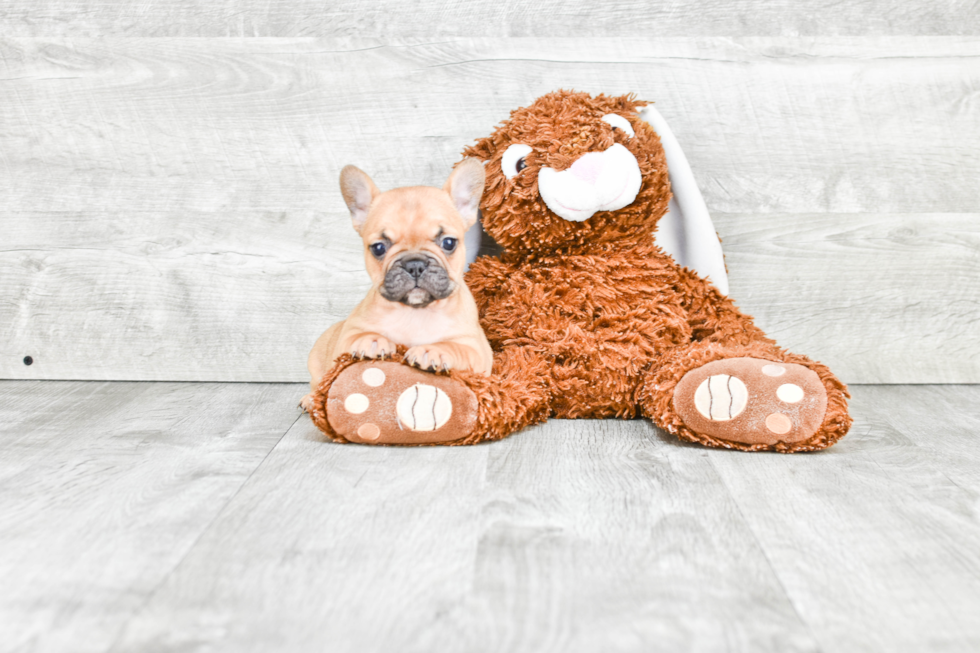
(751, 401)
(384, 402)
(779, 423)
(369, 431)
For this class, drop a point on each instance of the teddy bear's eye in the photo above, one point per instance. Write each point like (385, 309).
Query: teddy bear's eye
(619, 122)
(514, 159)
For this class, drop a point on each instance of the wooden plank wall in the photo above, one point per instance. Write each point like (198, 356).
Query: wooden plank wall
(169, 207)
(505, 18)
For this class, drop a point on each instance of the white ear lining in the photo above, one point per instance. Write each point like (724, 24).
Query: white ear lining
(467, 204)
(358, 215)
(465, 188)
(686, 233)
(358, 192)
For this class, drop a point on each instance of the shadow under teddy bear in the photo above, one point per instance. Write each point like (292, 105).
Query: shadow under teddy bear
(587, 316)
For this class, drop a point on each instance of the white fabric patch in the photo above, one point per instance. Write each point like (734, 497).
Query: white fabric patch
(619, 122)
(597, 181)
(356, 403)
(373, 377)
(513, 154)
(790, 393)
(423, 408)
(721, 397)
(773, 370)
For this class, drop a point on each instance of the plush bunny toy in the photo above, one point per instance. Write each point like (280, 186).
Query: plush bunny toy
(587, 315)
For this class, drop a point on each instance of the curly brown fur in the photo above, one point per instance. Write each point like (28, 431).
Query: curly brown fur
(560, 127)
(614, 316)
(656, 395)
(514, 396)
(318, 413)
(591, 318)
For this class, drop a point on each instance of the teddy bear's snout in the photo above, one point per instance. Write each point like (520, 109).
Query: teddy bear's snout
(588, 167)
(596, 181)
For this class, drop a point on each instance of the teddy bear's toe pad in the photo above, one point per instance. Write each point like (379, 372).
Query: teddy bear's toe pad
(377, 402)
(752, 401)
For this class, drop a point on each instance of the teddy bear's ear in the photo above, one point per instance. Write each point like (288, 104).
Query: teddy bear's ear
(482, 149)
(686, 232)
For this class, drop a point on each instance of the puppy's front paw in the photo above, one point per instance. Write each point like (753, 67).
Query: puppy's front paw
(306, 403)
(372, 346)
(430, 357)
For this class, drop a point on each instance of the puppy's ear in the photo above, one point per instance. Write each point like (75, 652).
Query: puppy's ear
(465, 186)
(358, 191)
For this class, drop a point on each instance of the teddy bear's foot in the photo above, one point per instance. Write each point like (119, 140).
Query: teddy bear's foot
(378, 402)
(751, 401)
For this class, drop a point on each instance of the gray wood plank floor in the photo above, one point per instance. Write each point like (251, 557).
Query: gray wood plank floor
(186, 517)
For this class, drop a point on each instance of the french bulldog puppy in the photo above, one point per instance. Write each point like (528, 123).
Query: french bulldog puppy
(415, 256)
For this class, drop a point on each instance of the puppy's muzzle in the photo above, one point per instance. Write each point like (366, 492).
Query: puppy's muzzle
(416, 280)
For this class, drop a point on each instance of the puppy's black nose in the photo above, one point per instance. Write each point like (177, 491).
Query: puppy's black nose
(415, 267)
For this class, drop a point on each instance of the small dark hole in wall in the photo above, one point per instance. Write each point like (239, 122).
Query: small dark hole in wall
(28, 360)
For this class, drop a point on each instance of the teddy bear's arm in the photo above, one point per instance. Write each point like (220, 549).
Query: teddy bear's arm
(712, 316)
(490, 280)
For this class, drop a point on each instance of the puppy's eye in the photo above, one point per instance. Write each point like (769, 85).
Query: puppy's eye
(619, 123)
(514, 159)
(448, 244)
(379, 249)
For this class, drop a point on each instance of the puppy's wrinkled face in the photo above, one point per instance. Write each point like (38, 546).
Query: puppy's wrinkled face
(413, 237)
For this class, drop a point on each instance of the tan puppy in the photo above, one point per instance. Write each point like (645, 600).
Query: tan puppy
(415, 255)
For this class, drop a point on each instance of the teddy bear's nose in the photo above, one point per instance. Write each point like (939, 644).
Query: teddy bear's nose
(588, 167)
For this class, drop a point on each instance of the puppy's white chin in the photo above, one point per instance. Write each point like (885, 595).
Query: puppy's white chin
(417, 297)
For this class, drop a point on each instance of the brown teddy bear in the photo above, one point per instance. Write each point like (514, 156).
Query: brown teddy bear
(587, 316)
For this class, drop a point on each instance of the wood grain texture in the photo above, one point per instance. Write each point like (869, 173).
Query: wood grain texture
(105, 487)
(154, 517)
(577, 536)
(170, 209)
(147, 296)
(769, 125)
(880, 298)
(885, 298)
(339, 547)
(578, 18)
(877, 540)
